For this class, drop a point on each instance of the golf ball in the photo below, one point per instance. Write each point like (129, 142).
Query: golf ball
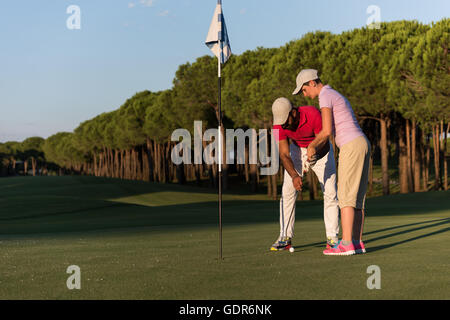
(291, 249)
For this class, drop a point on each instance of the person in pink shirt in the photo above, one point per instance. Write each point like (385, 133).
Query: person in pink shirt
(338, 119)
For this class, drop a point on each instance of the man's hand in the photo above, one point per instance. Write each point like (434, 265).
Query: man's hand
(298, 184)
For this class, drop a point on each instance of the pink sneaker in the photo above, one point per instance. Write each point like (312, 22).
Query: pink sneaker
(359, 247)
(340, 250)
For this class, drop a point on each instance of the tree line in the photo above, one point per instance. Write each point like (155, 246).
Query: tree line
(397, 79)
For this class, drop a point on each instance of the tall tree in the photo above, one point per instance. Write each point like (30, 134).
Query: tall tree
(32, 152)
(195, 95)
(419, 77)
(241, 104)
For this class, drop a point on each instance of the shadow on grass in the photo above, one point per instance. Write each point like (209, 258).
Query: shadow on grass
(70, 215)
(440, 222)
(443, 222)
(61, 213)
(72, 204)
(373, 249)
(87, 187)
(405, 225)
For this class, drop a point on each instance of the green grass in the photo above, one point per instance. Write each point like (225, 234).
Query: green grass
(136, 240)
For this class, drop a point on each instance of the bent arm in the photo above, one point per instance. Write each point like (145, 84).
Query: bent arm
(327, 129)
(286, 159)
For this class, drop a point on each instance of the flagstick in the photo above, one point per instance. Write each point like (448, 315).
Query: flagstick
(220, 154)
(217, 35)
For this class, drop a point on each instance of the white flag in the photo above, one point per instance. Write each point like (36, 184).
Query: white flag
(217, 39)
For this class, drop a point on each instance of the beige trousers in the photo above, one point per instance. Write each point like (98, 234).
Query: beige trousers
(353, 173)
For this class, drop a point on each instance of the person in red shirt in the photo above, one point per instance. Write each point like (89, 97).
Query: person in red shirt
(295, 129)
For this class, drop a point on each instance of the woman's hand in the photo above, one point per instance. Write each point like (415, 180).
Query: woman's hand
(311, 153)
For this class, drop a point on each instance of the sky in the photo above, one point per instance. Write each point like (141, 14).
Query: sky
(54, 76)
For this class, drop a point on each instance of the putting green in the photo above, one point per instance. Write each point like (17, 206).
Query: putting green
(135, 240)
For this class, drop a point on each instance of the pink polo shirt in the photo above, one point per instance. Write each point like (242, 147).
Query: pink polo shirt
(345, 125)
(309, 125)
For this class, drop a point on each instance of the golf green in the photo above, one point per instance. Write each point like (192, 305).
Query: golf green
(137, 240)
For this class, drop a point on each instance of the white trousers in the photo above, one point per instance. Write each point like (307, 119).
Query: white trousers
(325, 169)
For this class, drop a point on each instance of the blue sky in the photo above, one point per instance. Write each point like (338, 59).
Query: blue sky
(53, 78)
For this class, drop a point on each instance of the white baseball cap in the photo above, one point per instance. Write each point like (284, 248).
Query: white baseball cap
(304, 76)
(280, 109)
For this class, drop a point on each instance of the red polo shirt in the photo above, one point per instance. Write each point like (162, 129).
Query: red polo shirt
(310, 124)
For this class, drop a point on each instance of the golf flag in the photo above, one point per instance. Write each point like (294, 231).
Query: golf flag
(217, 38)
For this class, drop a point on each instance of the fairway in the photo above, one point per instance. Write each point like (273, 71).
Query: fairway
(138, 240)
